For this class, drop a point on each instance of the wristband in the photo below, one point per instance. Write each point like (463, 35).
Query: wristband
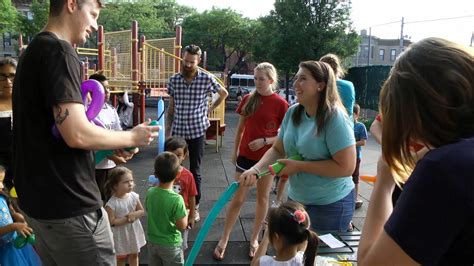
(255, 168)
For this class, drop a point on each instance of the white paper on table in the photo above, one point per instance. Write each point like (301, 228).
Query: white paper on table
(331, 241)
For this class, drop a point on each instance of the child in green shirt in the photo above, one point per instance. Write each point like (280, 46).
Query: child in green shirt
(167, 215)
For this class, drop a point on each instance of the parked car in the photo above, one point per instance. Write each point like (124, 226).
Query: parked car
(292, 95)
(233, 93)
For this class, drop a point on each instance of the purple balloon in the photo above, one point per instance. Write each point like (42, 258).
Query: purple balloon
(97, 122)
(97, 92)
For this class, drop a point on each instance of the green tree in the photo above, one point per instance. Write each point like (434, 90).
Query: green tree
(172, 13)
(223, 33)
(116, 17)
(29, 27)
(8, 16)
(304, 30)
(155, 19)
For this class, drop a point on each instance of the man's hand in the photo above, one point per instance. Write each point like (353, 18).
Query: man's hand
(121, 156)
(144, 134)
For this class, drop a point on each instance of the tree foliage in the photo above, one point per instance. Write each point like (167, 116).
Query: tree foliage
(8, 16)
(29, 27)
(154, 19)
(304, 30)
(223, 33)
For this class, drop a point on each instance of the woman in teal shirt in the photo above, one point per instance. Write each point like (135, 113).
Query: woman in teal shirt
(318, 129)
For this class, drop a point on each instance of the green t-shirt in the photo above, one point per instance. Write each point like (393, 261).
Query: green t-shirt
(164, 207)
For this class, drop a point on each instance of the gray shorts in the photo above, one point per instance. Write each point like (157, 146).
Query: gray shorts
(81, 240)
(165, 256)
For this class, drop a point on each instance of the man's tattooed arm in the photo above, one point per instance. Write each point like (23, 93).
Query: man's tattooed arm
(60, 116)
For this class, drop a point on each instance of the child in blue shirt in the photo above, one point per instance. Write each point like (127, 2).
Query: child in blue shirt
(360, 135)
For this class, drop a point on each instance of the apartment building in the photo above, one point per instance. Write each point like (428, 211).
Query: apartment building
(381, 51)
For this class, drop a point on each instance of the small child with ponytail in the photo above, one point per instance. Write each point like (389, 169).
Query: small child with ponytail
(288, 229)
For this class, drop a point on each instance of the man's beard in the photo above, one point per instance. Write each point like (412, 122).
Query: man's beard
(188, 73)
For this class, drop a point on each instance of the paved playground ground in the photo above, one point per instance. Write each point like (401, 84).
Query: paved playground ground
(217, 174)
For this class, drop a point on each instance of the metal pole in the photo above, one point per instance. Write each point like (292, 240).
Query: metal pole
(401, 37)
(100, 48)
(368, 51)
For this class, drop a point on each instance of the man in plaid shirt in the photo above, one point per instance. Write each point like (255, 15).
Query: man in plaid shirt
(188, 108)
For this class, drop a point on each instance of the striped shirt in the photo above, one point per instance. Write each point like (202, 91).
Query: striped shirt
(191, 104)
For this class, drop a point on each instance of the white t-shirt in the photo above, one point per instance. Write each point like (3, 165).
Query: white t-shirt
(109, 117)
(297, 260)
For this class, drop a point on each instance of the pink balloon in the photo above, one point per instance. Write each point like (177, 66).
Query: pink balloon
(97, 92)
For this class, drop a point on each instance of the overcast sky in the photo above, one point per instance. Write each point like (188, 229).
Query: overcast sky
(369, 13)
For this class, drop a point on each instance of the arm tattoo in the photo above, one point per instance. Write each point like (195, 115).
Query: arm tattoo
(59, 118)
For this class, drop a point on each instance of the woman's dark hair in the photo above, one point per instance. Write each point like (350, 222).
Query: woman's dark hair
(284, 221)
(121, 106)
(166, 166)
(114, 178)
(193, 49)
(98, 76)
(429, 98)
(174, 142)
(329, 100)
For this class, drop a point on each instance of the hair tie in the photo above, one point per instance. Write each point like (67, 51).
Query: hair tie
(299, 216)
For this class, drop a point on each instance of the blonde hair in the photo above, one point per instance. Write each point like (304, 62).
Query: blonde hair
(428, 97)
(335, 63)
(329, 100)
(253, 102)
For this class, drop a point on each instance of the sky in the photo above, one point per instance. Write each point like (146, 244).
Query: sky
(370, 13)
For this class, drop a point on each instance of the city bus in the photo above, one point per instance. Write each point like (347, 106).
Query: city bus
(245, 82)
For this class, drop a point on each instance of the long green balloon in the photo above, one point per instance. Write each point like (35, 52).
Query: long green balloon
(221, 202)
(100, 155)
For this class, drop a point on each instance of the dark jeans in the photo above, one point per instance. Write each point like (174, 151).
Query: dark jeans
(196, 151)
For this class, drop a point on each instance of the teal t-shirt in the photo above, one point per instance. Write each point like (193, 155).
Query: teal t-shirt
(164, 207)
(347, 94)
(302, 139)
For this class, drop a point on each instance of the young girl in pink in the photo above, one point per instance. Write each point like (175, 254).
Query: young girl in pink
(124, 210)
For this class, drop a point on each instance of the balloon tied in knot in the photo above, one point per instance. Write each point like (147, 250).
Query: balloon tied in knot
(97, 93)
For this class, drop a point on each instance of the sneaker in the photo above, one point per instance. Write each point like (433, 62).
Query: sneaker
(197, 218)
(359, 204)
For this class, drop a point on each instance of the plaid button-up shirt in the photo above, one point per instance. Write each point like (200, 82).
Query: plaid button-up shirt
(191, 104)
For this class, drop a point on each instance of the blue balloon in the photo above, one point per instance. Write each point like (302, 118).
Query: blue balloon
(161, 123)
(221, 202)
(153, 181)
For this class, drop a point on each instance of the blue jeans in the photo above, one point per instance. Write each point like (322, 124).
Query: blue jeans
(332, 217)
